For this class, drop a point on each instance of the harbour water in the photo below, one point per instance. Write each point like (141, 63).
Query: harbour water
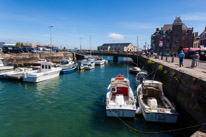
(70, 105)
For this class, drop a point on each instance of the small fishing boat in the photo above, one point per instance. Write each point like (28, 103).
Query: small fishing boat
(3, 67)
(68, 70)
(134, 70)
(99, 61)
(67, 62)
(120, 101)
(154, 105)
(80, 66)
(46, 71)
(142, 75)
(37, 65)
(18, 71)
(89, 67)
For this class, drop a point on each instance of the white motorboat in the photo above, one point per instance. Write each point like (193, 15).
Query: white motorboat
(67, 62)
(86, 62)
(120, 101)
(154, 105)
(134, 70)
(99, 61)
(17, 71)
(37, 65)
(142, 75)
(46, 71)
(90, 66)
(3, 67)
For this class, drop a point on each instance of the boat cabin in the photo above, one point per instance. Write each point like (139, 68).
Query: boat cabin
(46, 66)
(120, 86)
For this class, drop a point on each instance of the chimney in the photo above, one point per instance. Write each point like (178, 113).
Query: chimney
(205, 28)
(157, 29)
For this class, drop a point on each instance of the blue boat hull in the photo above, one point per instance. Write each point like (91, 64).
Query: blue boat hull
(67, 70)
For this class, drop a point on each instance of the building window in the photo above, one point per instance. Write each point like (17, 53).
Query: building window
(183, 38)
(45, 66)
(42, 66)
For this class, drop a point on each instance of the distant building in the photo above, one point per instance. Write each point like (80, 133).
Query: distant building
(196, 43)
(30, 45)
(119, 47)
(203, 38)
(171, 36)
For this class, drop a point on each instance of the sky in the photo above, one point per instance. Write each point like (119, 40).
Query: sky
(104, 21)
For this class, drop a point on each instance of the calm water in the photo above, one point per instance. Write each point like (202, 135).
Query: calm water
(70, 105)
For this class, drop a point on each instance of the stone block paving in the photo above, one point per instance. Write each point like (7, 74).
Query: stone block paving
(197, 72)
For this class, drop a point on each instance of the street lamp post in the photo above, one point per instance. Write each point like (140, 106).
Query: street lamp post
(50, 27)
(80, 44)
(172, 52)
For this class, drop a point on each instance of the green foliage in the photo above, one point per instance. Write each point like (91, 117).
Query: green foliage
(19, 44)
(160, 67)
(172, 74)
(150, 62)
(165, 72)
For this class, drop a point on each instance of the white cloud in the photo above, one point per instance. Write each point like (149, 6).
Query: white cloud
(194, 17)
(116, 36)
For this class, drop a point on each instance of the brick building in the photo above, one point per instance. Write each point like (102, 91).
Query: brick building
(203, 38)
(171, 36)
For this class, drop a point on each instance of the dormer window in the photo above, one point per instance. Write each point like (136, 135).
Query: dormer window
(42, 66)
(49, 67)
(45, 66)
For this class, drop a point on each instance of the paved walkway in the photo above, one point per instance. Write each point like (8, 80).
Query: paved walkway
(198, 72)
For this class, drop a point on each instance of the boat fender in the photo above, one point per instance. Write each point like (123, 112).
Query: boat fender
(114, 90)
(138, 110)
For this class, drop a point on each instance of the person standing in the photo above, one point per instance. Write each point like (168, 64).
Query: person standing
(181, 57)
(195, 59)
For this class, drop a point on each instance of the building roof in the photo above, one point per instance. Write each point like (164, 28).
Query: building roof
(116, 44)
(167, 27)
(177, 21)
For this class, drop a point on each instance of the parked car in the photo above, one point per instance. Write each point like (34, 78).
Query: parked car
(11, 49)
(27, 49)
(33, 51)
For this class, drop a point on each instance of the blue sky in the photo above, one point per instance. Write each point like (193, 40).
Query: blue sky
(104, 20)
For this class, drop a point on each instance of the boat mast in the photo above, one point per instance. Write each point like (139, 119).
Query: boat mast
(137, 50)
(90, 44)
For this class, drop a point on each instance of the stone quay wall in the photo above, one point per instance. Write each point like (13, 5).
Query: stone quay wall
(26, 59)
(187, 92)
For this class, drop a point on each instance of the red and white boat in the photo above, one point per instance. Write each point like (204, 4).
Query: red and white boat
(37, 65)
(134, 70)
(120, 101)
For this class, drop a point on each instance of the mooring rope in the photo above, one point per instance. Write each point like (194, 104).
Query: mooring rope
(155, 132)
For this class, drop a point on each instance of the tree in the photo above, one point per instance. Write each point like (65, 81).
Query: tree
(18, 44)
(22, 44)
(64, 48)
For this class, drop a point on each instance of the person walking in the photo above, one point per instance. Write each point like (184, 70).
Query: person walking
(195, 59)
(181, 57)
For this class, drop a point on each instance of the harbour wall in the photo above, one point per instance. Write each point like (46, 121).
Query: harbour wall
(26, 59)
(187, 92)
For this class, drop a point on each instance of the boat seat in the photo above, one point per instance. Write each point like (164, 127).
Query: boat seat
(151, 92)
